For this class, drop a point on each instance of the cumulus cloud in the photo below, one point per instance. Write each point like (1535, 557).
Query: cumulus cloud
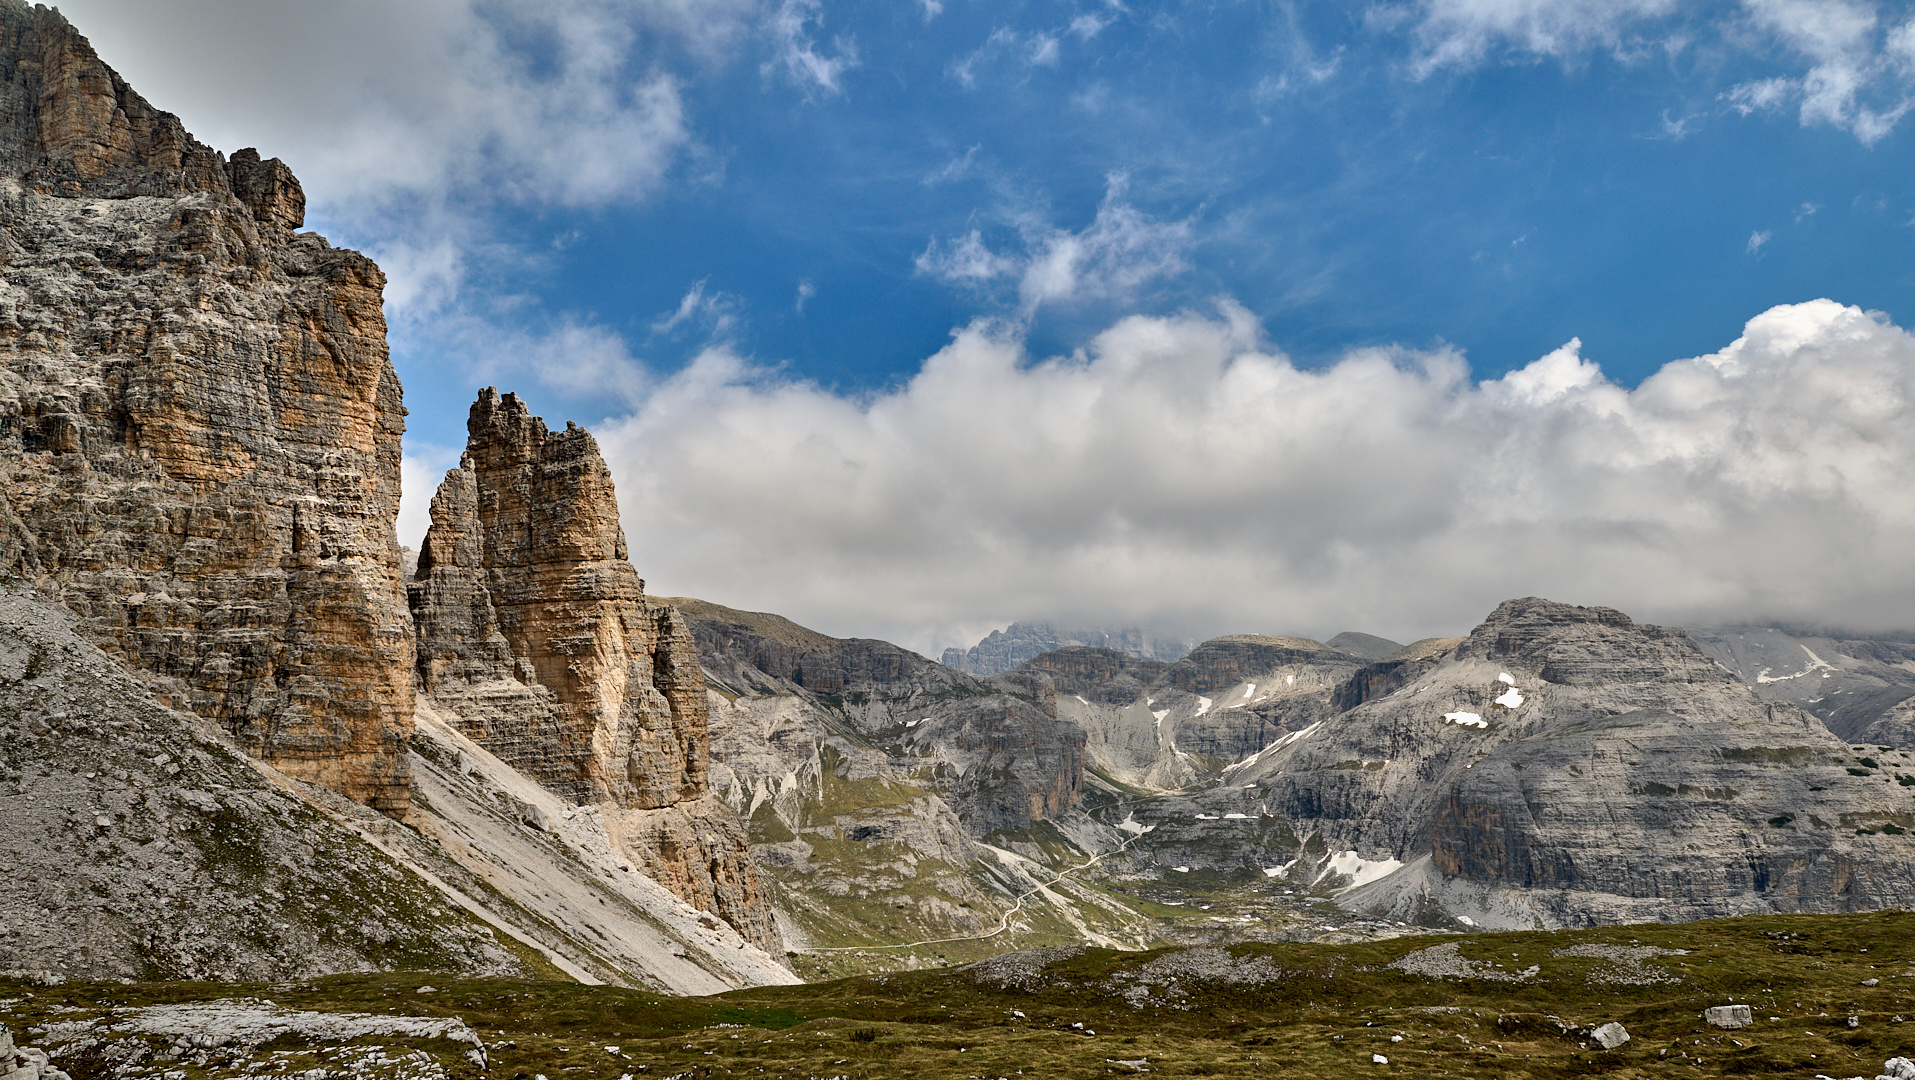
(1183, 472)
(1121, 250)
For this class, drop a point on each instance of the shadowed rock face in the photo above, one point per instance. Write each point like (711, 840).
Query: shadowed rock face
(199, 423)
(535, 634)
(1605, 764)
(1001, 755)
(1849, 682)
(1169, 726)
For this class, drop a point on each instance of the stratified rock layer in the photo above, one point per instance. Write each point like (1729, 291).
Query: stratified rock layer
(535, 632)
(1567, 764)
(199, 423)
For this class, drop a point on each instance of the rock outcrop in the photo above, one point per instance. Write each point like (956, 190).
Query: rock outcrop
(1848, 681)
(535, 633)
(1565, 765)
(1000, 752)
(199, 423)
(1163, 727)
(891, 799)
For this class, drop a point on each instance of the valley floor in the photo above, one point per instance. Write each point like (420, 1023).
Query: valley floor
(1832, 995)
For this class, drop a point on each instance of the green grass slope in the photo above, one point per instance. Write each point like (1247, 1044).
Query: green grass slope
(1832, 995)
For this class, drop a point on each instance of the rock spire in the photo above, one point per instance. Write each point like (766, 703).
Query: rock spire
(535, 632)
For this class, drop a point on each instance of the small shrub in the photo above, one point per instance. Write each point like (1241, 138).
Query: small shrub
(865, 1035)
(1781, 819)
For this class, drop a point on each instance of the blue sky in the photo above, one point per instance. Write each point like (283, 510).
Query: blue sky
(622, 209)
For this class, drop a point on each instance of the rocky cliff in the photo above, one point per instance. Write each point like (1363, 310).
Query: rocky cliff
(1566, 764)
(199, 423)
(535, 634)
(996, 749)
(1848, 681)
(891, 799)
(1159, 726)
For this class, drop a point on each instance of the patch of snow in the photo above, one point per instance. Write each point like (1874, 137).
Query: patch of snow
(1206, 817)
(1160, 714)
(1249, 688)
(1203, 706)
(1181, 869)
(1278, 745)
(1131, 825)
(914, 723)
(1466, 719)
(1279, 871)
(1236, 817)
(1289, 680)
(1466, 920)
(1080, 697)
(1510, 698)
(1816, 663)
(1359, 870)
(1506, 677)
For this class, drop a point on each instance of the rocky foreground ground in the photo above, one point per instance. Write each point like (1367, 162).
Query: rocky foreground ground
(1799, 995)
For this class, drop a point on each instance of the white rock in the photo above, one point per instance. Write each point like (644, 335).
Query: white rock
(1729, 1016)
(1610, 1035)
(1899, 1068)
(1379, 1059)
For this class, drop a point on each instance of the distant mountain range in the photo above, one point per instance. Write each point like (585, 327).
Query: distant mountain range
(1002, 650)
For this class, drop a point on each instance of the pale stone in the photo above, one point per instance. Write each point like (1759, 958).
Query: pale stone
(1729, 1016)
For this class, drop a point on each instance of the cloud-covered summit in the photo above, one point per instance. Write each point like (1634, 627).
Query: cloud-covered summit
(1181, 471)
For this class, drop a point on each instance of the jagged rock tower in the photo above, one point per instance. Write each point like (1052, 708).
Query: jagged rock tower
(535, 633)
(199, 423)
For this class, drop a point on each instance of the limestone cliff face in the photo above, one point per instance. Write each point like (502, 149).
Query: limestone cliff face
(997, 748)
(199, 423)
(1170, 726)
(535, 632)
(1565, 764)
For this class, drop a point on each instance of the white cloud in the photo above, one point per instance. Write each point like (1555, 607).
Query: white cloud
(1466, 32)
(420, 471)
(1181, 471)
(797, 54)
(1850, 61)
(553, 103)
(1852, 72)
(1038, 48)
(1678, 128)
(715, 313)
(1121, 250)
(1757, 240)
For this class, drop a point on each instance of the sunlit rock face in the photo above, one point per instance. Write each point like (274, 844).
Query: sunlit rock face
(199, 422)
(535, 632)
